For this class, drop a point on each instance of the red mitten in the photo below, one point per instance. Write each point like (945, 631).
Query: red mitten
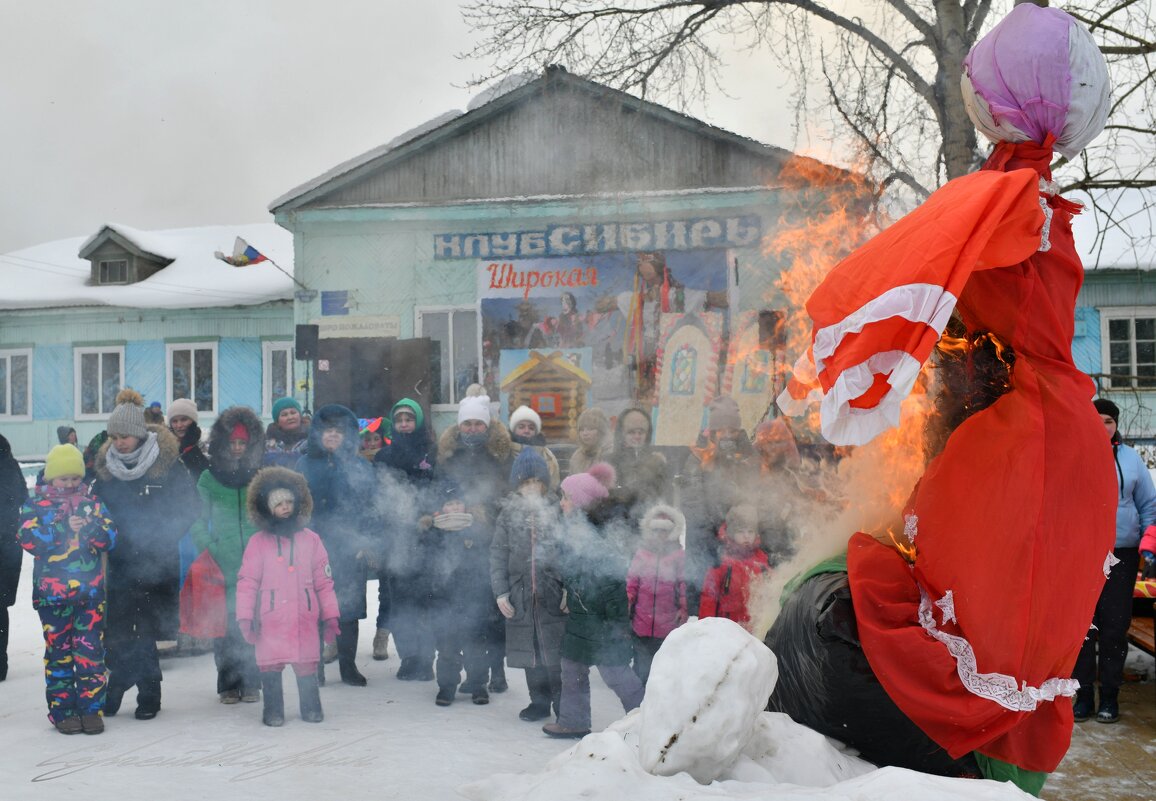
(249, 630)
(329, 632)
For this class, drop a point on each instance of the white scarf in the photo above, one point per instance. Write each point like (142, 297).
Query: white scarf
(130, 466)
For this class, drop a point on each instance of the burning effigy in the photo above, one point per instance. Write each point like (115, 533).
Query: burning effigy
(948, 645)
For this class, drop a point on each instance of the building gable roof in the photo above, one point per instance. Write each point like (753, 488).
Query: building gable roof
(139, 243)
(450, 157)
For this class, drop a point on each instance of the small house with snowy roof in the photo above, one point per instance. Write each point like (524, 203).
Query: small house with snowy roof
(155, 310)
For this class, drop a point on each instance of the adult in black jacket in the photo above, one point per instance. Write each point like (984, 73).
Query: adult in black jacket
(477, 454)
(12, 495)
(406, 466)
(154, 501)
(343, 486)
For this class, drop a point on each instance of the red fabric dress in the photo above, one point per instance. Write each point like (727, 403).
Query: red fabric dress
(1013, 521)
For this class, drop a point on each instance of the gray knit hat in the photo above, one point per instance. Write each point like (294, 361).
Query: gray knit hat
(128, 419)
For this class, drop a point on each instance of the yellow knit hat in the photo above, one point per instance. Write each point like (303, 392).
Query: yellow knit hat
(63, 460)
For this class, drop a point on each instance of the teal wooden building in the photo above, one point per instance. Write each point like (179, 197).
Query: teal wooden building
(550, 217)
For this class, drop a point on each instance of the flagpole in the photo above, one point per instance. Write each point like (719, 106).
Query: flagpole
(286, 272)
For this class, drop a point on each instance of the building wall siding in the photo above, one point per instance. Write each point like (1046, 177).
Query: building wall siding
(532, 150)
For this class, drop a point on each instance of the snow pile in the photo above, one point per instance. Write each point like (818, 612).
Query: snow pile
(701, 734)
(699, 714)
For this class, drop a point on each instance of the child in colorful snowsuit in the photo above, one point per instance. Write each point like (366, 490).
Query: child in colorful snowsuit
(656, 584)
(726, 588)
(66, 529)
(593, 569)
(284, 589)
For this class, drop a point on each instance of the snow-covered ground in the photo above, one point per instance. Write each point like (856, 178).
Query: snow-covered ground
(389, 740)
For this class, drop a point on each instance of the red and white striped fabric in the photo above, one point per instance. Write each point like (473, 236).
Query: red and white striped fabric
(877, 315)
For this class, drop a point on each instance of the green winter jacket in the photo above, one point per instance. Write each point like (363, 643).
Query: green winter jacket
(594, 575)
(223, 528)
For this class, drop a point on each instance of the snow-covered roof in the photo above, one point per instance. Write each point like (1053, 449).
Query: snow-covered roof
(53, 274)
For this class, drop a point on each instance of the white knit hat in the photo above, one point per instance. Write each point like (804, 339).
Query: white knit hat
(526, 413)
(183, 407)
(474, 407)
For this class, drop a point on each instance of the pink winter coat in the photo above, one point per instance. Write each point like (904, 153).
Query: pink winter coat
(656, 590)
(286, 584)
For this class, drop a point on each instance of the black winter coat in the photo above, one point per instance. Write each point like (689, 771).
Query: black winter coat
(344, 490)
(151, 514)
(12, 495)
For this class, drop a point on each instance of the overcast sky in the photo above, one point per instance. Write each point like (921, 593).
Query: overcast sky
(167, 115)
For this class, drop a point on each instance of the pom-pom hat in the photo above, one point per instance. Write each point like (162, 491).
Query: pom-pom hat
(586, 489)
(127, 419)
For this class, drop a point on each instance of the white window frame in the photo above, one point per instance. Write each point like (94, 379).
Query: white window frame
(100, 271)
(7, 355)
(77, 353)
(268, 348)
(419, 332)
(1108, 314)
(170, 348)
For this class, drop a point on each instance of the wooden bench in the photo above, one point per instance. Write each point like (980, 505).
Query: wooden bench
(1140, 634)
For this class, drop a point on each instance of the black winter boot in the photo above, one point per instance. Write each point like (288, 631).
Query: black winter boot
(148, 699)
(1109, 711)
(310, 699)
(1085, 704)
(347, 655)
(274, 714)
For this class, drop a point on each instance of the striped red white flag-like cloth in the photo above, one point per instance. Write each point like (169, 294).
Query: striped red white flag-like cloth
(878, 314)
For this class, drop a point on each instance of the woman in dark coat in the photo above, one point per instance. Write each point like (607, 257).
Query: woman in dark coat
(406, 465)
(287, 436)
(476, 454)
(152, 498)
(12, 495)
(344, 490)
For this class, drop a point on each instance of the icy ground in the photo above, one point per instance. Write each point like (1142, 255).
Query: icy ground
(389, 740)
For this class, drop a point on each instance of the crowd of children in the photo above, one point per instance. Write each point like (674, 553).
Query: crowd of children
(485, 559)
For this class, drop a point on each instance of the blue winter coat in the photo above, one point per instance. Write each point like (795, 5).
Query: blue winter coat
(1136, 498)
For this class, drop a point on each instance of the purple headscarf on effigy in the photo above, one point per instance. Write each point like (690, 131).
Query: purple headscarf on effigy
(1037, 72)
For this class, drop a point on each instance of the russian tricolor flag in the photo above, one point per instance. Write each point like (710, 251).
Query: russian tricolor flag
(244, 254)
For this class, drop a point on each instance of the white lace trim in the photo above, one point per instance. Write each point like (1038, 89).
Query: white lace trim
(1047, 189)
(910, 527)
(997, 687)
(1110, 561)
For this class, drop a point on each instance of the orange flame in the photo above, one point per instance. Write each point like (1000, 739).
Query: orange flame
(906, 549)
(826, 215)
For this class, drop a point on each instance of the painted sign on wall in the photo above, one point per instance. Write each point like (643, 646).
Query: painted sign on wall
(700, 233)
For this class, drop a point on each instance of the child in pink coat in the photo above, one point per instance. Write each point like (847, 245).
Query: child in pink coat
(656, 584)
(284, 590)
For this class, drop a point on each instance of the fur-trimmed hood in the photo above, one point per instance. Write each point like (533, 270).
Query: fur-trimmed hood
(334, 415)
(498, 443)
(660, 510)
(167, 442)
(269, 479)
(221, 433)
